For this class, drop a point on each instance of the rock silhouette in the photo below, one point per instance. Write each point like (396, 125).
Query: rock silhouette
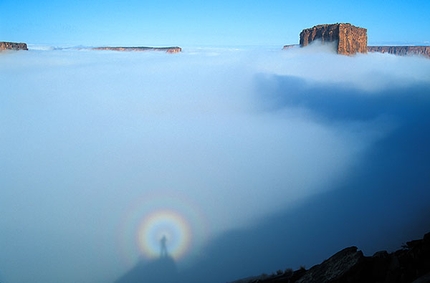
(409, 264)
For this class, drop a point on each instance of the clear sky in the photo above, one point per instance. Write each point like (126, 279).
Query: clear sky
(203, 23)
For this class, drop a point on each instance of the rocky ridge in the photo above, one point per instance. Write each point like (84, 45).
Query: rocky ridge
(175, 49)
(409, 264)
(12, 46)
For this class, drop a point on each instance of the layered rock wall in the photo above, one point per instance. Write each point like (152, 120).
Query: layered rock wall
(12, 46)
(349, 39)
(401, 50)
(165, 49)
(324, 33)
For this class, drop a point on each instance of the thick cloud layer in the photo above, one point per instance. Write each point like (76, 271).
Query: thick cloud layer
(264, 159)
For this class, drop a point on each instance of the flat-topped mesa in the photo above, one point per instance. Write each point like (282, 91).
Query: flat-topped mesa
(289, 46)
(401, 50)
(349, 39)
(175, 49)
(12, 46)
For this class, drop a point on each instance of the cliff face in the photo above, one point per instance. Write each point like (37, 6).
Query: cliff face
(350, 39)
(324, 33)
(401, 50)
(165, 49)
(12, 46)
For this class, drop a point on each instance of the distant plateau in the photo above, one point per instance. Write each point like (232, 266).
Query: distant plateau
(175, 49)
(348, 39)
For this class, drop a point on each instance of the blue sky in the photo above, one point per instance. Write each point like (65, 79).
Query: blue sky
(203, 23)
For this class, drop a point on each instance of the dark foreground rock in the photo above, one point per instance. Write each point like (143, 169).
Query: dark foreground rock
(12, 46)
(409, 264)
(175, 49)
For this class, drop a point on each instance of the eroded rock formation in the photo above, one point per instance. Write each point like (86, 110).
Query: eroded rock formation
(12, 46)
(348, 38)
(401, 50)
(175, 49)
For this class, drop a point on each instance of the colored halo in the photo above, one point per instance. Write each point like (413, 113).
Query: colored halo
(161, 224)
(153, 216)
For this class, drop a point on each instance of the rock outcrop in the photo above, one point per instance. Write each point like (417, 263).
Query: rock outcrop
(401, 50)
(175, 49)
(12, 46)
(409, 264)
(348, 38)
(336, 267)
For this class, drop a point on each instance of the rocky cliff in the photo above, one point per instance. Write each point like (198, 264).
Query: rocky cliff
(348, 38)
(401, 50)
(165, 49)
(12, 46)
(409, 264)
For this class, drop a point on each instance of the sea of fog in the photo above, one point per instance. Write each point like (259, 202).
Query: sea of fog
(247, 160)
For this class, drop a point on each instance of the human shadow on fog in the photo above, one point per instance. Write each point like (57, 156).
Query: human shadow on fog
(382, 204)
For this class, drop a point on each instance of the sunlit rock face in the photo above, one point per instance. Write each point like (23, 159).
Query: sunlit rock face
(350, 39)
(401, 50)
(12, 46)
